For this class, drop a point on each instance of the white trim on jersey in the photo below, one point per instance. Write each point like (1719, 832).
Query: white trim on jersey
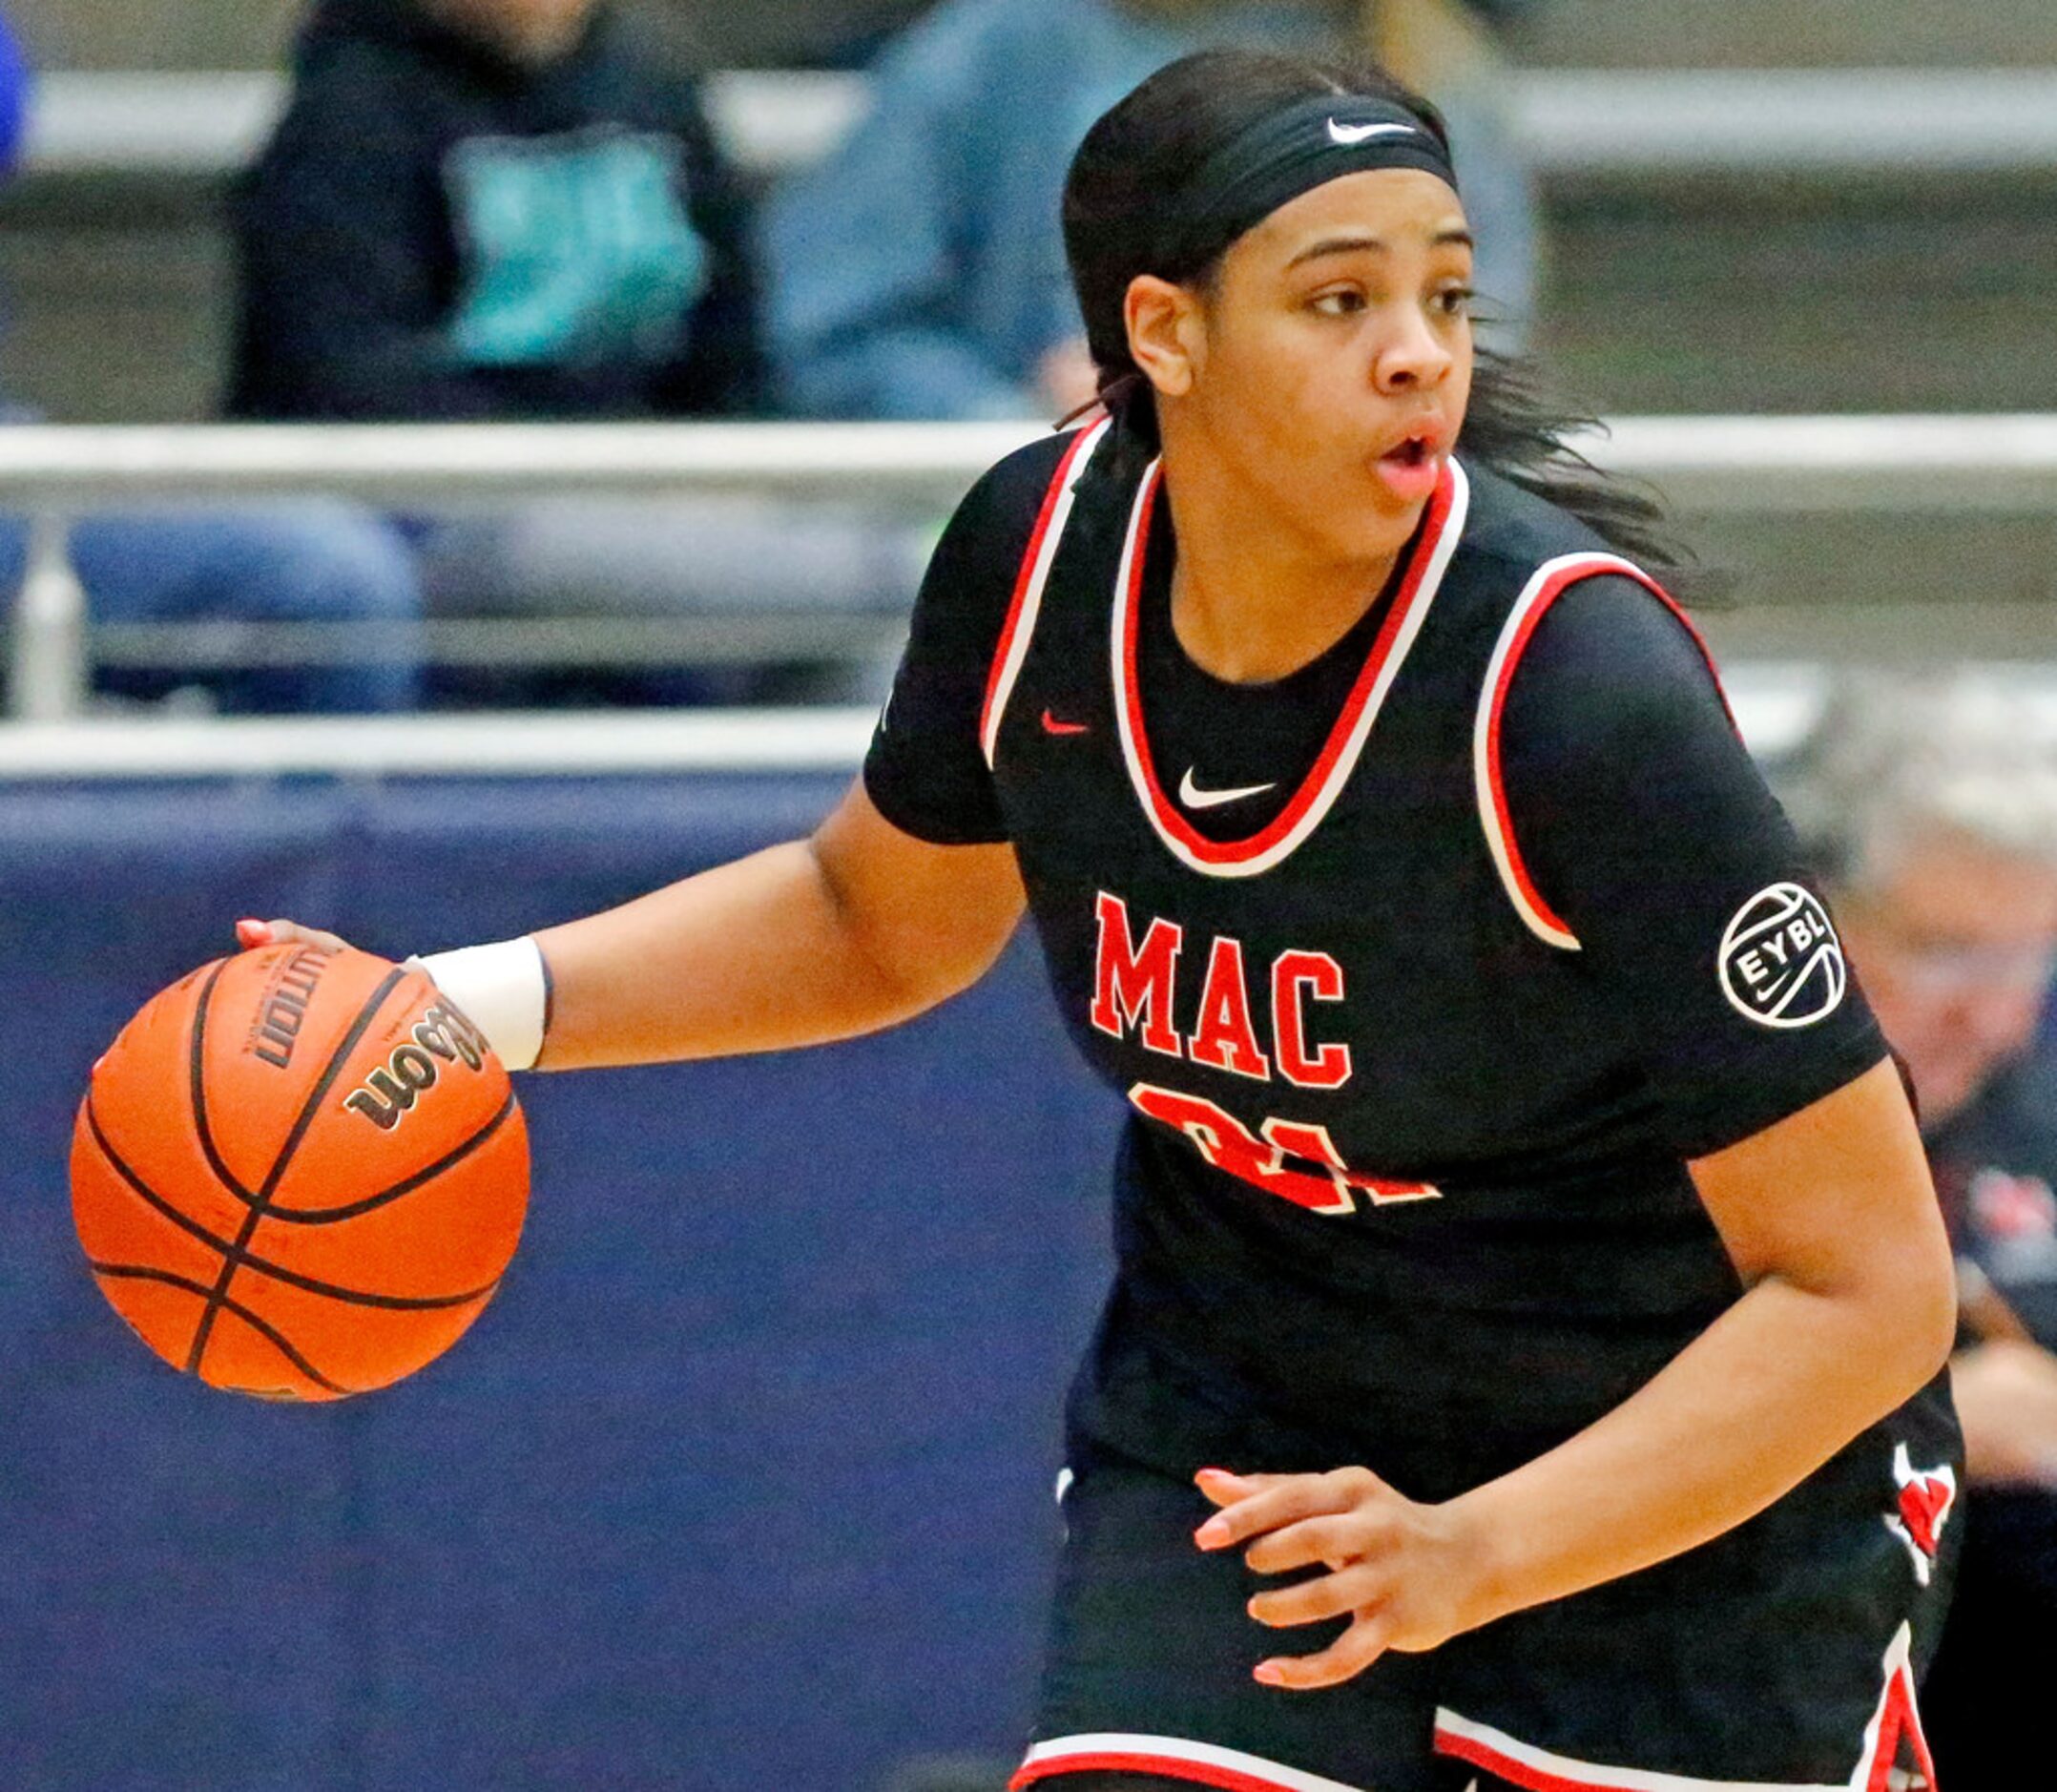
(1548, 580)
(1019, 629)
(1525, 1766)
(1545, 585)
(1228, 1769)
(1880, 1747)
(1317, 795)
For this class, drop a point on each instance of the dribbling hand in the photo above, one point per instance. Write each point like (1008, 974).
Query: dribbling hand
(253, 934)
(1405, 1574)
(501, 990)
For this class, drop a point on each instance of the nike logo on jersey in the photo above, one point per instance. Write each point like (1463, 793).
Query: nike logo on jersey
(1346, 135)
(1052, 725)
(1194, 798)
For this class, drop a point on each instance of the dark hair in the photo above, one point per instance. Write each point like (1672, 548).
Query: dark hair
(1128, 175)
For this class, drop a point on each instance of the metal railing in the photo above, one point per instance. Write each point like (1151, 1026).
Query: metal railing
(1706, 466)
(1775, 706)
(530, 745)
(1601, 121)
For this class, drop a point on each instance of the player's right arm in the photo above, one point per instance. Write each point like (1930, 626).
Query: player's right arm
(902, 897)
(853, 929)
(857, 927)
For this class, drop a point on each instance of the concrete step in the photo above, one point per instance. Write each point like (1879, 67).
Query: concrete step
(1805, 294)
(1788, 33)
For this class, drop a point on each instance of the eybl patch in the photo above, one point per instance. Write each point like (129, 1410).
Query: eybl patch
(1781, 963)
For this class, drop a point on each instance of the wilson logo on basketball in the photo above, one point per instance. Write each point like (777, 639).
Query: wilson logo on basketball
(1781, 963)
(441, 1037)
(286, 1006)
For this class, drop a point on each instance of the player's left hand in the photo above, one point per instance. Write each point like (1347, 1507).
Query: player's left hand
(1402, 1572)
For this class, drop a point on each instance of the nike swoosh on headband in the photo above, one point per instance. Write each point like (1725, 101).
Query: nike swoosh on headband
(1194, 798)
(1347, 134)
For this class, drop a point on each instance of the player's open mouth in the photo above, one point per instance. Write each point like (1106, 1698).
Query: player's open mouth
(1411, 466)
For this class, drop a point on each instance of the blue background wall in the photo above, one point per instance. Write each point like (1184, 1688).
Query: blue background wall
(742, 1481)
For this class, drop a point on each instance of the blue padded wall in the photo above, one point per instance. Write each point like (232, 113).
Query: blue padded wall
(741, 1482)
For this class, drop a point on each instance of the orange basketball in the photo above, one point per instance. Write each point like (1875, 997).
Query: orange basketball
(300, 1174)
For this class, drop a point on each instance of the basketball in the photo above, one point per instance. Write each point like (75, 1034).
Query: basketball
(298, 1173)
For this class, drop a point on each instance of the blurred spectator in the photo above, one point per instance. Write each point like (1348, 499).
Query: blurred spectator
(1935, 804)
(273, 560)
(1450, 50)
(920, 272)
(489, 209)
(507, 210)
(282, 560)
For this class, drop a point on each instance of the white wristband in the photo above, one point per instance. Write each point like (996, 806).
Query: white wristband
(503, 991)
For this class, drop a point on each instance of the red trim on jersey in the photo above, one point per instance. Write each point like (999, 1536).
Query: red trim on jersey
(1169, 818)
(1476, 1754)
(1166, 1756)
(1060, 480)
(1165, 1766)
(1898, 1718)
(1894, 1720)
(1539, 607)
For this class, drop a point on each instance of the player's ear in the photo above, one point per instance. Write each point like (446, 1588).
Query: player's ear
(1163, 319)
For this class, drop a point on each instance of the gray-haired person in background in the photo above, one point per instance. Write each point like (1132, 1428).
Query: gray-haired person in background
(1934, 806)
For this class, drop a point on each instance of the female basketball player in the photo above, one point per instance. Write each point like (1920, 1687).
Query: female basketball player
(1527, 1266)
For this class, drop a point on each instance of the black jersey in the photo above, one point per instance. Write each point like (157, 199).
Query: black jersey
(1423, 995)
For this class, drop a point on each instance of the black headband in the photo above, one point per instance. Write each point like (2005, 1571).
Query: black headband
(1302, 146)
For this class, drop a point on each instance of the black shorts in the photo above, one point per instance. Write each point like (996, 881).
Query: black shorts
(1628, 1688)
